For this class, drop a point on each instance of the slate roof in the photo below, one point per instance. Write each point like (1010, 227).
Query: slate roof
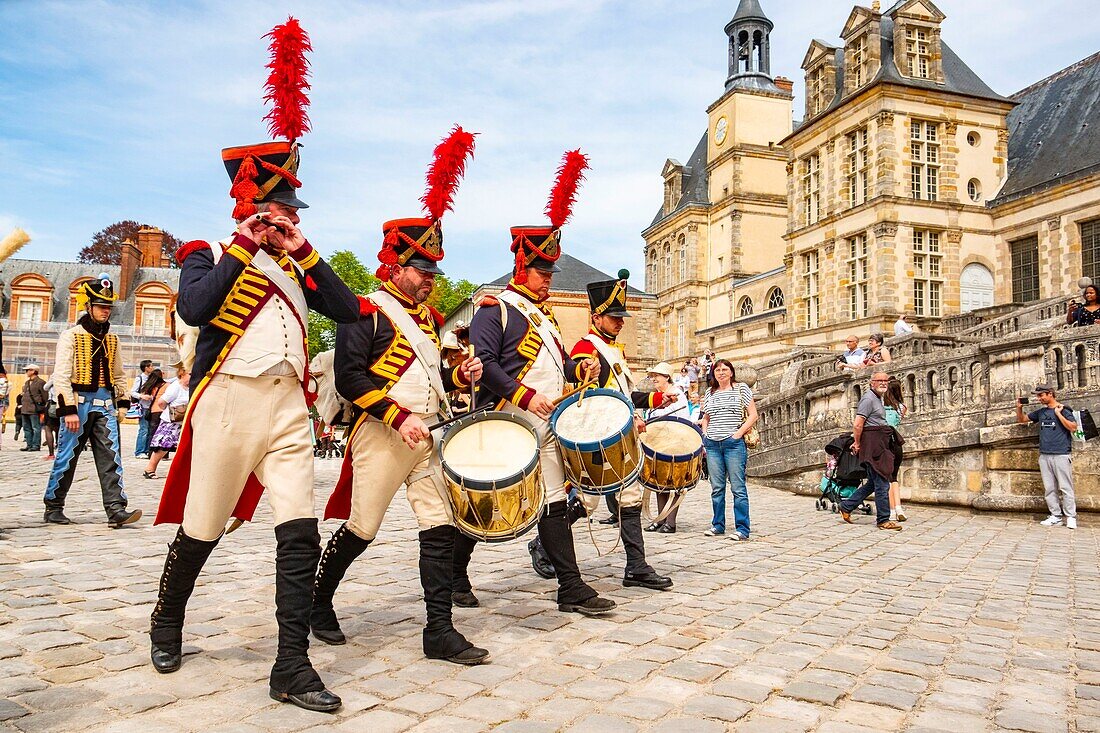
(693, 189)
(62, 274)
(958, 78)
(1054, 132)
(574, 277)
(749, 10)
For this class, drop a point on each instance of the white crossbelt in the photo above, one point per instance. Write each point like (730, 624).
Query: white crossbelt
(95, 403)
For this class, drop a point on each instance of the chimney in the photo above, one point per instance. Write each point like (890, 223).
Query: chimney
(131, 261)
(785, 84)
(150, 242)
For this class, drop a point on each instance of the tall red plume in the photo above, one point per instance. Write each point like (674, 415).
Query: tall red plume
(447, 168)
(287, 83)
(570, 174)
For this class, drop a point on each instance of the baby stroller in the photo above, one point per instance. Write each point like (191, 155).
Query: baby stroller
(326, 444)
(843, 475)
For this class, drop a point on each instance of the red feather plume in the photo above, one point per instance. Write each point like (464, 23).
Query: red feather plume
(446, 170)
(570, 174)
(287, 83)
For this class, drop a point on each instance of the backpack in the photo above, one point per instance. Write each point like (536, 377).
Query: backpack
(1088, 425)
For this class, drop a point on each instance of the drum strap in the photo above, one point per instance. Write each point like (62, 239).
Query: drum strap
(424, 349)
(546, 329)
(616, 361)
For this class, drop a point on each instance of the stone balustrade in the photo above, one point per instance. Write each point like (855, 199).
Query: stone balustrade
(963, 445)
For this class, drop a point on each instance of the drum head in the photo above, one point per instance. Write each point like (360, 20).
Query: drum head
(593, 420)
(672, 437)
(489, 449)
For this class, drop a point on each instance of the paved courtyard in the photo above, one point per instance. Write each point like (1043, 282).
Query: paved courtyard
(963, 622)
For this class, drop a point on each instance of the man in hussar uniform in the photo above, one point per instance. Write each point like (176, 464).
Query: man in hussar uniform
(607, 302)
(91, 391)
(526, 368)
(246, 429)
(388, 366)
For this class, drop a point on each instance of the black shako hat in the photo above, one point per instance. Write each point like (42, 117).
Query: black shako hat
(608, 297)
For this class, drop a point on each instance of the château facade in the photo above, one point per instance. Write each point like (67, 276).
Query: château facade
(909, 187)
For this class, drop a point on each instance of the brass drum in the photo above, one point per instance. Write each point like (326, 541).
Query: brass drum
(599, 443)
(672, 455)
(492, 475)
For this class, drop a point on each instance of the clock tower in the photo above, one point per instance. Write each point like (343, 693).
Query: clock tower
(714, 252)
(747, 168)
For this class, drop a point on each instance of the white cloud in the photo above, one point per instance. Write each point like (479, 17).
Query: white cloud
(115, 110)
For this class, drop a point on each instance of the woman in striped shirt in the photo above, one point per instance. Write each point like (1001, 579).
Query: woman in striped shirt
(728, 413)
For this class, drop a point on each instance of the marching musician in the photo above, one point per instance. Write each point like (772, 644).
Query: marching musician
(246, 427)
(526, 368)
(607, 302)
(91, 391)
(388, 365)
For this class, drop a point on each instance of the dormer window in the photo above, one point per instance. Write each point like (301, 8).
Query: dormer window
(859, 58)
(918, 53)
(815, 90)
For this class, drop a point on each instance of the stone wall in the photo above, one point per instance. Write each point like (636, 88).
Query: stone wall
(962, 444)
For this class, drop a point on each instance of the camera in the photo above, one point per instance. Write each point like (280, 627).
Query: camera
(1021, 400)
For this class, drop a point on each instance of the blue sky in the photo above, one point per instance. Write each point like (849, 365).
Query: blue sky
(118, 110)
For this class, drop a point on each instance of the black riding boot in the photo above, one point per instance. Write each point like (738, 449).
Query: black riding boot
(341, 551)
(638, 571)
(186, 556)
(557, 541)
(462, 591)
(441, 640)
(293, 679)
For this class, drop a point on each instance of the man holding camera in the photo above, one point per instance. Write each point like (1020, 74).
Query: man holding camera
(1056, 427)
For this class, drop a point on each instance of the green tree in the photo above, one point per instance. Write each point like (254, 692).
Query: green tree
(106, 245)
(447, 296)
(322, 331)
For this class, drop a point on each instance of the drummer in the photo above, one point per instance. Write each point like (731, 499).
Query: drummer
(388, 366)
(675, 405)
(607, 301)
(526, 368)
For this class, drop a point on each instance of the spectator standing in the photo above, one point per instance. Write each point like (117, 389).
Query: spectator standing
(51, 423)
(172, 402)
(902, 325)
(728, 413)
(706, 370)
(32, 403)
(895, 410)
(874, 444)
(876, 352)
(141, 446)
(694, 374)
(676, 405)
(1087, 313)
(152, 390)
(5, 397)
(853, 357)
(1056, 426)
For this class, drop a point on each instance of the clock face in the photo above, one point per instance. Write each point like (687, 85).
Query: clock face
(720, 129)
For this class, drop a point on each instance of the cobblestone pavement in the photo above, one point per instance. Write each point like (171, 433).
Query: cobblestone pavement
(963, 622)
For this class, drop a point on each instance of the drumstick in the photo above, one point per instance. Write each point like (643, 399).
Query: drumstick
(584, 385)
(473, 399)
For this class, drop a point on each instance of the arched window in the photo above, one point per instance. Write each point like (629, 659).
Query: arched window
(745, 308)
(775, 298)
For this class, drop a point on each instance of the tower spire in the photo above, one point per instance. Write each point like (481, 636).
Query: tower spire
(750, 48)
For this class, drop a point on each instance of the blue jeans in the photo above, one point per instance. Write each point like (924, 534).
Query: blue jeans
(726, 459)
(99, 430)
(143, 437)
(32, 430)
(880, 485)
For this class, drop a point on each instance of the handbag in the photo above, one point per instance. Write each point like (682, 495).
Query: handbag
(751, 438)
(176, 414)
